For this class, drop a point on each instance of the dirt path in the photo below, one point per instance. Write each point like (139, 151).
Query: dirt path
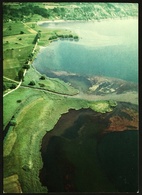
(16, 87)
(13, 89)
(30, 29)
(23, 75)
(10, 79)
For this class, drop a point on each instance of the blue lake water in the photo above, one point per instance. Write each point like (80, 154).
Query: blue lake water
(105, 48)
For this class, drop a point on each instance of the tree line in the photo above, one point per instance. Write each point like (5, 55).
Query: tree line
(28, 9)
(25, 11)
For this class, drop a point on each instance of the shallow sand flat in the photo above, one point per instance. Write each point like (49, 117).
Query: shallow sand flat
(131, 97)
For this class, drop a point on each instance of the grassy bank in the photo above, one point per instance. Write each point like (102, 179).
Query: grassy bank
(30, 128)
(46, 83)
(36, 114)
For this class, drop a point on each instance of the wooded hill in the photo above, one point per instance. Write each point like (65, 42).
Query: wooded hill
(25, 12)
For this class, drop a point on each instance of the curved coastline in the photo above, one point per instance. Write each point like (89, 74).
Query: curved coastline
(99, 40)
(97, 20)
(84, 95)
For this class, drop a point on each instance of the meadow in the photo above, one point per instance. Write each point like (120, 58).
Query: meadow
(17, 46)
(35, 112)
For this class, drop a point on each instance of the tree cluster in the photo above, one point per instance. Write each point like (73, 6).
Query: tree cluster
(38, 35)
(21, 74)
(13, 122)
(9, 86)
(70, 36)
(28, 9)
(42, 77)
(32, 83)
(26, 66)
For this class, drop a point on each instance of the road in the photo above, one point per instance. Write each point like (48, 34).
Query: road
(10, 79)
(17, 85)
(23, 75)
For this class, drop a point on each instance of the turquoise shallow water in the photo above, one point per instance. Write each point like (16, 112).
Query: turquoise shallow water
(105, 49)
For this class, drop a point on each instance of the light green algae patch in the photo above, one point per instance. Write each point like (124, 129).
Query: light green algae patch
(103, 106)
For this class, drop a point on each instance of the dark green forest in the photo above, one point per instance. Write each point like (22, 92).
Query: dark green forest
(72, 11)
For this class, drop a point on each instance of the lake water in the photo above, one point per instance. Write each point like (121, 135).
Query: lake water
(105, 48)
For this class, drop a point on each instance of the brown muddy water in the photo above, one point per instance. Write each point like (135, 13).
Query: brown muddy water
(86, 152)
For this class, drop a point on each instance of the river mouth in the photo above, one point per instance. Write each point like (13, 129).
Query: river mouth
(74, 153)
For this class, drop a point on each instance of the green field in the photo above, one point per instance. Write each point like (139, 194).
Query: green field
(17, 45)
(36, 114)
(51, 84)
(28, 132)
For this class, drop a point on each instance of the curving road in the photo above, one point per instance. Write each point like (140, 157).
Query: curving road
(17, 85)
(23, 75)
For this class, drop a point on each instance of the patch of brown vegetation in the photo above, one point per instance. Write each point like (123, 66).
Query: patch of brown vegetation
(118, 123)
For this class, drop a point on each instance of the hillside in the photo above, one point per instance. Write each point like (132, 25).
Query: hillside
(67, 11)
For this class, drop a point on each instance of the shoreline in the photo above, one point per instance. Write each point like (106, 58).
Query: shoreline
(93, 20)
(93, 97)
